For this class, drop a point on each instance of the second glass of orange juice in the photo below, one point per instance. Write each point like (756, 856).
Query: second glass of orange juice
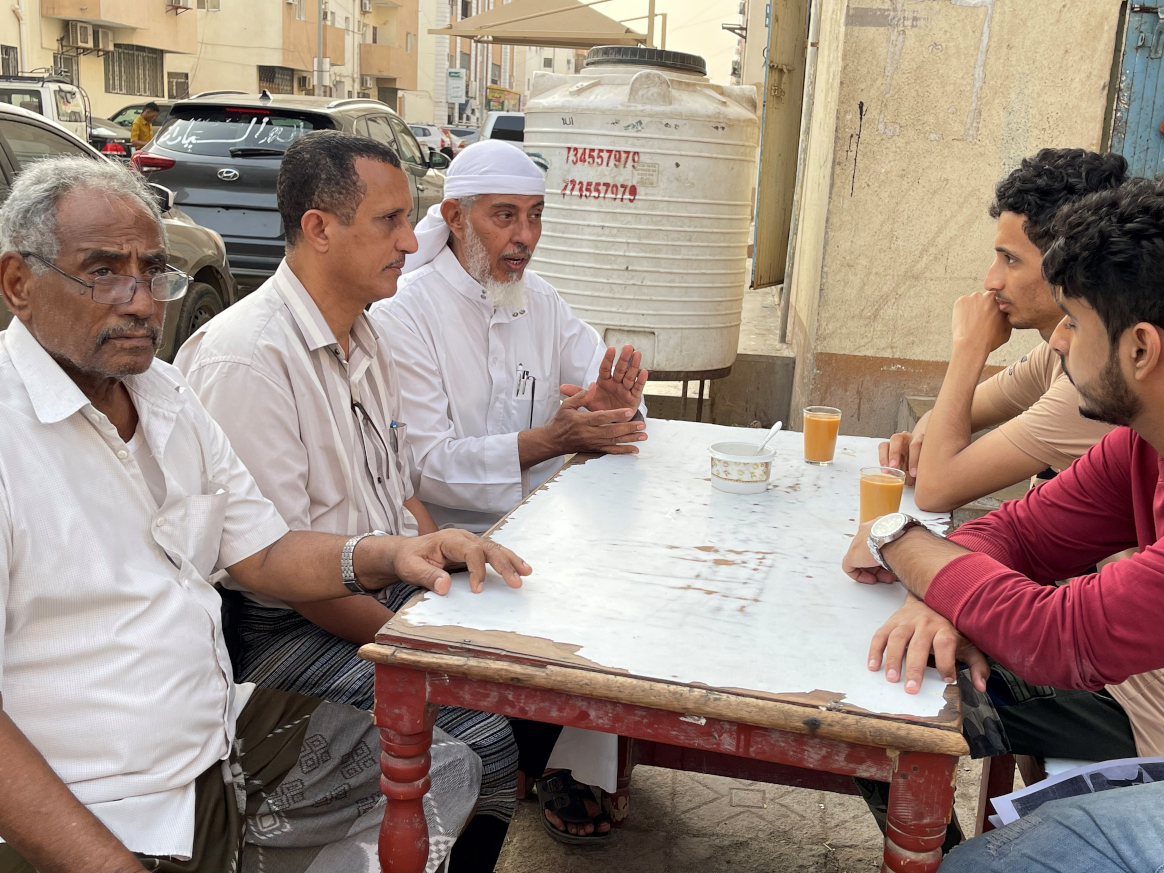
(881, 489)
(821, 424)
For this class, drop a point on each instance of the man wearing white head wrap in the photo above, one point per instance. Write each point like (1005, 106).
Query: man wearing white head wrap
(484, 349)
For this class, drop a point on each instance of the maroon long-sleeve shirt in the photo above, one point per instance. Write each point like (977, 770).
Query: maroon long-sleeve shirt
(1103, 627)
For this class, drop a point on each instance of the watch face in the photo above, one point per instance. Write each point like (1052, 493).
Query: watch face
(888, 524)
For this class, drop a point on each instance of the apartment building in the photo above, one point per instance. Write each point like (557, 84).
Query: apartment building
(551, 60)
(494, 75)
(126, 51)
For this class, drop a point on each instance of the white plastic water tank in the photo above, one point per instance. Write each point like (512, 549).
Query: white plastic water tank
(648, 202)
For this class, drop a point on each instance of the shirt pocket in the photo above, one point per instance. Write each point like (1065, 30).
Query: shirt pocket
(195, 526)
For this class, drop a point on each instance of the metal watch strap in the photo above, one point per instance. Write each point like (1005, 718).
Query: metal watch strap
(876, 544)
(347, 569)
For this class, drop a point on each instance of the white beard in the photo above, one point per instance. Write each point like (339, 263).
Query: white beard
(505, 296)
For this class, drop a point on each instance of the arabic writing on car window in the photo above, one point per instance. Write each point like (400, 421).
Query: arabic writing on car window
(219, 134)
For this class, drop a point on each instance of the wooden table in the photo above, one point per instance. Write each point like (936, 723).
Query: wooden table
(715, 630)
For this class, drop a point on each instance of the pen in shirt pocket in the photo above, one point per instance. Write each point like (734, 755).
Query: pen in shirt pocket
(397, 431)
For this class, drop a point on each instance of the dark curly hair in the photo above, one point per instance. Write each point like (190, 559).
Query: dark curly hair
(318, 171)
(1109, 251)
(1042, 185)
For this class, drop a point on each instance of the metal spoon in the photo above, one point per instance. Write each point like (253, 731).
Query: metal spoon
(775, 430)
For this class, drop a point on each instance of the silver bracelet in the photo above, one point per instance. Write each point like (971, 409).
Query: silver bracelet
(347, 568)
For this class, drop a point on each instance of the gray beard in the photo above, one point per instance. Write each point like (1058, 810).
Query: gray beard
(501, 295)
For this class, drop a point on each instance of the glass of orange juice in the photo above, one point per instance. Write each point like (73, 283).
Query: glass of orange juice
(821, 424)
(881, 489)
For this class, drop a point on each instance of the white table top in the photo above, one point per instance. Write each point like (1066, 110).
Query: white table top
(641, 566)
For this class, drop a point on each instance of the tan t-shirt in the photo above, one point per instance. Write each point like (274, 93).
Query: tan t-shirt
(1043, 408)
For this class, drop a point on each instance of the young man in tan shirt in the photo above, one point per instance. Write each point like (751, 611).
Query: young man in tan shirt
(1032, 402)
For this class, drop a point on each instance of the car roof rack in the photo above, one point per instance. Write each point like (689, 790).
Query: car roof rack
(36, 77)
(214, 94)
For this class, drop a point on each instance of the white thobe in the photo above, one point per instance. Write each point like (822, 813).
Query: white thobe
(458, 362)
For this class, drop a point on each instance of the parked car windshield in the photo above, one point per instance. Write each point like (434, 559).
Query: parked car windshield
(222, 131)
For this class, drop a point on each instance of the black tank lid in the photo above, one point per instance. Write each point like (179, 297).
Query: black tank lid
(646, 57)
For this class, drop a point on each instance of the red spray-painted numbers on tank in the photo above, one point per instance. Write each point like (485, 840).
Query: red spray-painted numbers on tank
(601, 157)
(599, 190)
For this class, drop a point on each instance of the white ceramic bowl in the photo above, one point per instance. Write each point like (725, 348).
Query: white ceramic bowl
(737, 469)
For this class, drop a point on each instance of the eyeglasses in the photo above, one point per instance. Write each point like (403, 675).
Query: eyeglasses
(113, 290)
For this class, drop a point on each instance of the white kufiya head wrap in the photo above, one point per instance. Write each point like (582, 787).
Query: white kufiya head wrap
(488, 167)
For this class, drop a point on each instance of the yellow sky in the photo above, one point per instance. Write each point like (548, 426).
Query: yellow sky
(692, 26)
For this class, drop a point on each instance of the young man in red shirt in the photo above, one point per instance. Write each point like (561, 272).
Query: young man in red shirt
(990, 586)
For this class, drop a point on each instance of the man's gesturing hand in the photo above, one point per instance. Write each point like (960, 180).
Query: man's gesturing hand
(617, 388)
(575, 429)
(912, 633)
(859, 562)
(425, 560)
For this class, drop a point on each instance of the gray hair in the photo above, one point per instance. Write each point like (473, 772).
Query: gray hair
(467, 202)
(28, 218)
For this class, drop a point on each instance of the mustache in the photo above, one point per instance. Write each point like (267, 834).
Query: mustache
(398, 264)
(128, 327)
(522, 251)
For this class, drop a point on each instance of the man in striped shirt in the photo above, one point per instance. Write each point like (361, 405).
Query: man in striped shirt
(305, 389)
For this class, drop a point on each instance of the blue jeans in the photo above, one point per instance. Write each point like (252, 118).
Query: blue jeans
(1117, 831)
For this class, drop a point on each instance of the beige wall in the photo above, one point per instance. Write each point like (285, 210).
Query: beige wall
(933, 103)
(233, 43)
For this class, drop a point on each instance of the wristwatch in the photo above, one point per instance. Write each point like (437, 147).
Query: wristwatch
(347, 569)
(887, 529)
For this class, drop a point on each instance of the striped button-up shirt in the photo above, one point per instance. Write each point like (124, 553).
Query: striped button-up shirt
(318, 429)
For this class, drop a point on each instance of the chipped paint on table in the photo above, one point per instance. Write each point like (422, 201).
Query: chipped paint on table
(641, 566)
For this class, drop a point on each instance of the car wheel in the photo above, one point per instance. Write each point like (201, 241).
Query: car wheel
(200, 305)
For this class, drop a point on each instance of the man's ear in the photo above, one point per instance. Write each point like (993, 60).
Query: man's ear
(15, 284)
(454, 217)
(316, 225)
(1146, 345)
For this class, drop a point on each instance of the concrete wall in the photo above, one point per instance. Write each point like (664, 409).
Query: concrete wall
(232, 45)
(920, 107)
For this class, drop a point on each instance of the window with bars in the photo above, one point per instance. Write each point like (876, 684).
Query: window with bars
(10, 60)
(494, 74)
(277, 80)
(135, 69)
(466, 61)
(547, 63)
(209, 5)
(177, 86)
(466, 9)
(68, 66)
(375, 35)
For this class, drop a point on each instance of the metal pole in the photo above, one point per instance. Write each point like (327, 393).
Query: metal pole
(651, 22)
(663, 31)
(319, 53)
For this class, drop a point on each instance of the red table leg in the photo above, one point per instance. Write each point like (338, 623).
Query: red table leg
(405, 719)
(921, 798)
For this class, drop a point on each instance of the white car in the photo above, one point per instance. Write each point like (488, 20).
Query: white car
(431, 137)
(509, 126)
(51, 96)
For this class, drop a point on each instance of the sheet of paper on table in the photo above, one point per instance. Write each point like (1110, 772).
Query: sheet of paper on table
(640, 565)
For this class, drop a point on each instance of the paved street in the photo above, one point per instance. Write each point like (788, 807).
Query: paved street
(690, 823)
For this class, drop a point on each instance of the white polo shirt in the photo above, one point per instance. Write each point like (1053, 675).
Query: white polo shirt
(114, 664)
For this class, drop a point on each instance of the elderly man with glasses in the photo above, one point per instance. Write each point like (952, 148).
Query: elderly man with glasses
(126, 744)
(306, 390)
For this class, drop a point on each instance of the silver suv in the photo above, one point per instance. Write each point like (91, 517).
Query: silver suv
(26, 137)
(221, 152)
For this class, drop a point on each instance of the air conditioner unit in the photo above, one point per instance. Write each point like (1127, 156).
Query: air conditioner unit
(80, 35)
(103, 39)
(365, 5)
(367, 82)
(180, 4)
